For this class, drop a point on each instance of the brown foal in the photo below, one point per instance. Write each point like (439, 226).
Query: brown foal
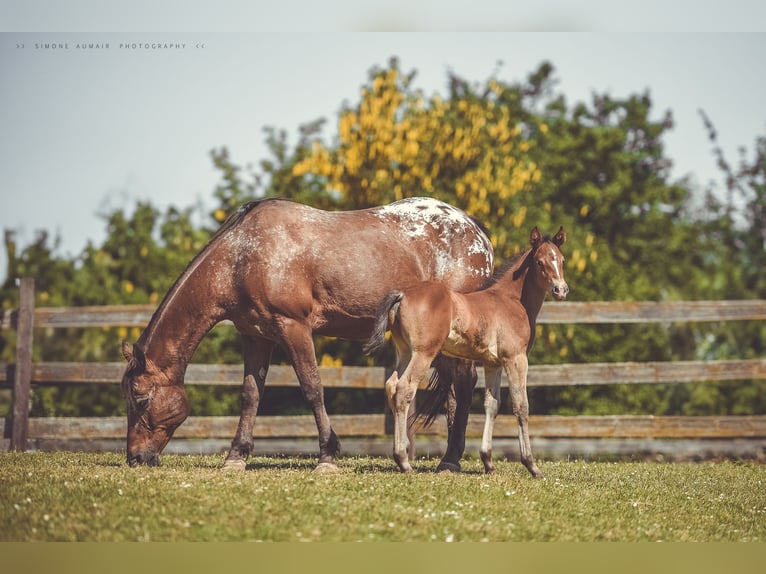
(494, 326)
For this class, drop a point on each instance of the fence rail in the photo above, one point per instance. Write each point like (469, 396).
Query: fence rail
(561, 312)
(722, 434)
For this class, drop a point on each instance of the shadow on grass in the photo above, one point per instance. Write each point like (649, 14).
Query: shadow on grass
(353, 465)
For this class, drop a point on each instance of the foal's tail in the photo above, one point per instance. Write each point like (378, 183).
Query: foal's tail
(385, 315)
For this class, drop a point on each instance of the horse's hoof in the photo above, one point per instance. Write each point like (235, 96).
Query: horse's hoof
(235, 464)
(326, 468)
(448, 467)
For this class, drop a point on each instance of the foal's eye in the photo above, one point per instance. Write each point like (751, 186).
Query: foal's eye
(540, 264)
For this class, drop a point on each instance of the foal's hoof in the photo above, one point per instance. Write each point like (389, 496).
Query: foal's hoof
(235, 464)
(326, 468)
(448, 467)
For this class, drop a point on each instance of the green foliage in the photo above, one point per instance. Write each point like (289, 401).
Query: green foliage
(513, 154)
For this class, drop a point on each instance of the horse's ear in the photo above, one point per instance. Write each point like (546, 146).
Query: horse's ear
(560, 237)
(133, 354)
(127, 351)
(535, 237)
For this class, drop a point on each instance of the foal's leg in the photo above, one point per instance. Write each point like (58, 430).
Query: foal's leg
(491, 408)
(462, 378)
(401, 394)
(516, 368)
(299, 344)
(257, 354)
(412, 417)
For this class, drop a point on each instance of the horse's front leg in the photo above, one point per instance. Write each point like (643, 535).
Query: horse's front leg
(491, 407)
(257, 355)
(516, 368)
(299, 344)
(462, 377)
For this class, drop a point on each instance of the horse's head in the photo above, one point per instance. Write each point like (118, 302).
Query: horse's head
(548, 263)
(156, 407)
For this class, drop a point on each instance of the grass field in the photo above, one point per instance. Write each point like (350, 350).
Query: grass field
(96, 497)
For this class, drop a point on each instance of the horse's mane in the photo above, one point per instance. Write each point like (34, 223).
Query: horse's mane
(234, 220)
(480, 224)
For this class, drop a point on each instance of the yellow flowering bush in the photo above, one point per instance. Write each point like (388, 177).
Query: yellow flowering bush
(394, 143)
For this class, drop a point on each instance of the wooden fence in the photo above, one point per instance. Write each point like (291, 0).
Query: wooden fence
(553, 436)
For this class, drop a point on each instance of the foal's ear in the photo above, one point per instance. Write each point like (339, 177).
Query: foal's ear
(535, 237)
(560, 237)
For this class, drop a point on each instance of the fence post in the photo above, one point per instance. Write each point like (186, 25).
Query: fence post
(23, 371)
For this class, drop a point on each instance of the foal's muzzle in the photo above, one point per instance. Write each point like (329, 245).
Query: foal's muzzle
(560, 291)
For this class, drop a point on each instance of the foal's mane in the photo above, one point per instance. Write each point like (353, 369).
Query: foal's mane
(513, 262)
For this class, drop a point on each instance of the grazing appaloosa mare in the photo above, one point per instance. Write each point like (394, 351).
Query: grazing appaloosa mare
(495, 326)
(282, 271)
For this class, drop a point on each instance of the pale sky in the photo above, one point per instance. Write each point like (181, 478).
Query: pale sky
(88, 129)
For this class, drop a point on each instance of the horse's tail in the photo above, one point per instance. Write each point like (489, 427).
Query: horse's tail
(438, 392)
(385, 316)
(452, 381)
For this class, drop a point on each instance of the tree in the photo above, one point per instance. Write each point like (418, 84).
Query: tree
(512, 154)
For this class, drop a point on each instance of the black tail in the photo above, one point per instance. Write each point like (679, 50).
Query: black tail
(450, 379)
(378, 338)
(437, 394)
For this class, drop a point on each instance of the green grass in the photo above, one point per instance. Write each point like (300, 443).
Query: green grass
(96, 497)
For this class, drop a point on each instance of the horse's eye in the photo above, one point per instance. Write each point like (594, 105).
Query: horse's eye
(541, 264)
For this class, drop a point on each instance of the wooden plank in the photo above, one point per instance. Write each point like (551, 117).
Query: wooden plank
(634, 373)
(372, 425)
(67, 428)
(283, 426)
(642, 426)
(373, 377)
(95, 316)
(652, 312)
(23, 371)
(563, 312)
(652, 427)
(199, 374)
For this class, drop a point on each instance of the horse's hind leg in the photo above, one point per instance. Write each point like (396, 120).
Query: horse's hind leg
(462, 377)
(401, 395)
(257, 355)
(299, 344)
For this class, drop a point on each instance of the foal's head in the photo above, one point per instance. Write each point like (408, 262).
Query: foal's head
(156, 407)
(547, 263)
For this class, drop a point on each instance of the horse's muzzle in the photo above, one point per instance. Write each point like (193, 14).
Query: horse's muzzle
(144, 458)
